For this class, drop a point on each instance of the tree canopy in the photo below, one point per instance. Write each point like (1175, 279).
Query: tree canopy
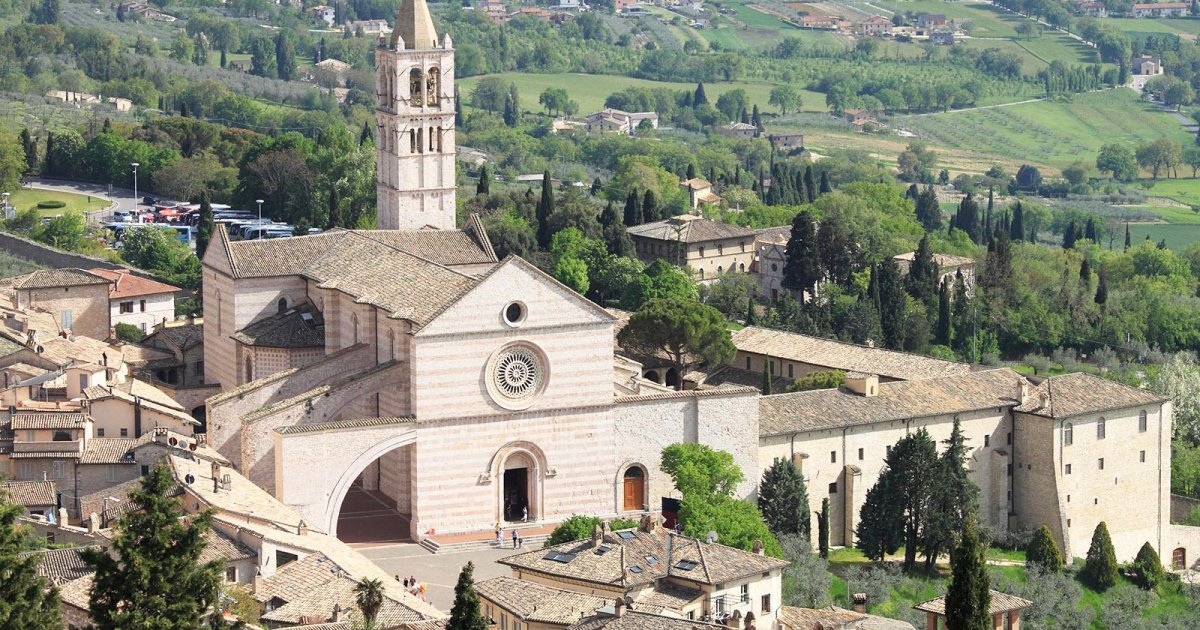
(682, 330)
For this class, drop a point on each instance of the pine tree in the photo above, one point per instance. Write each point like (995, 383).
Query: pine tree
(465, 614)
(802, 268)
(485, 181)
(838, 250)
(633, 210)
(206, 226)
(27, 601)
(1016, 230)
(650, 209)
(153, 577)
(892, 302)
(1100, 570)
(969, 595)
(1102, 287)
(943, 323)
(825, 187)
(1147, 568)
(335, 209)
(699, 98)
(1043, 551)
(545, 208)
(768, 368)
(368, 596)
(783, 499)
(810, 185)
(823, 528)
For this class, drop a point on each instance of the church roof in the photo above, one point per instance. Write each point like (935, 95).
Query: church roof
(415, 26)
(300, 327)
(1078, 393)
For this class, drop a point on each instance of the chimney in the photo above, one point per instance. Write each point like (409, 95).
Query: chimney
(619, 607)
(758, 547)
(749, 622)
(1023, 390)
(302, 529)
(93, 523)
(862, 383)
(258, 581)
(216, 475)
(649, 523)
(597, 534)
(860, 602)
(870, 343)
(337, 613)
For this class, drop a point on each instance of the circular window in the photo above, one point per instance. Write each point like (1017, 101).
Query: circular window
(516, 376)
(514, 313)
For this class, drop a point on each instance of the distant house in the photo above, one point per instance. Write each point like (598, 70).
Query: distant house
(1161, 9)
(371, 27)
(80, 98)
(709, 247)
(1146, 65)
(738, 130)
(931, 20)
(609, 120)
(145, 11)
(875, 26)
(139, 302)
(818, 22)
(948, 266)
(1091, 9)
(569, 6)
(700, 192)
(941, 38)
(860, 118)
(324, 13)
(334, 67)
(786, 142)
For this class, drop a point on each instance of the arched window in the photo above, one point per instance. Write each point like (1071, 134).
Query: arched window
(719, 269)
(742, 267)
(412, 140)
(249, 370)
(420, 141)
(281, 305)
(391, 339)
(354, 326)
(416, 88)
(433, 86)
(1068, 433)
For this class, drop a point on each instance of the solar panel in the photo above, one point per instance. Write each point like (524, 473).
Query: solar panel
(633, 568)
(559, 557)
(686, 565)
(651, 560)
(602, 549)
(626, 535)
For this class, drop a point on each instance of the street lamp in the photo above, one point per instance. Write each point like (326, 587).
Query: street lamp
(135, 196)
(260, 228)
(4, 206)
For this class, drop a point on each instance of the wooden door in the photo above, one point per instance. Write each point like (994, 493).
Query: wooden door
(1179, 558)
(635, 493)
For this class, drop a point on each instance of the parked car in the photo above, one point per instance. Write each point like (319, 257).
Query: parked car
(150, 200)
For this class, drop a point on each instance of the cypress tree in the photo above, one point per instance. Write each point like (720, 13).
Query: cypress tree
(751, 315)
(1043, 551)
(783, 499)
(825, 187)
(650, 209)
(365, 135)
(27, 601)
(929, 213)
(1016, 230)
(31, 151)
(545, 208)
(206, 226)
(458, 113)
(335, 209)
(1090, 231)
(597, 187)
(465, 614)
(51, 169)
(891, 303)
(699, 97)
(1069, 236)
(1100, 570)
(943, 323)
(823, 528)
(285, 57)
(485, 181)
(969, 594)
(802, 268)
(633, 210)
(967, 219)
(1147, 568)
(1128, 240)
(953, 497)
(691, 171)
(768, 368)
(608, 216)
(154, 578)
(810, 185)
(922, 278)
(1085, 272)
(1102, 287)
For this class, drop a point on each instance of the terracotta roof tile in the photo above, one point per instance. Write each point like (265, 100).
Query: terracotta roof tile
(690, 230)
(49, 420)
(1079, 393)
(299, 327)
(634, 620)
(1000, 602)
(31, 493)
(126, 284)
(109, 451)
(899, 400)
(537, 603)
(54, 278)
(839, 355)
(61, 565)
(310, 588)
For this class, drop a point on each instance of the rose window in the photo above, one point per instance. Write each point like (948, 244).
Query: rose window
(517, 374)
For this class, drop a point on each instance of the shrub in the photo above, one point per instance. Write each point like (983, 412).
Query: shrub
(51, 204)
(1100, 568)
(128, 332)
(1147, 568)
(622, 523)
(1043, 551)
(824, 379)
(576, 527)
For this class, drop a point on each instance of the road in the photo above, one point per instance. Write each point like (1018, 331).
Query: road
(122, 196)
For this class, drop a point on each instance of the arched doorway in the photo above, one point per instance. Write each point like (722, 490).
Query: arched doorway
(1179, 558)
(633, 489)
(200, 414)
(672, 378)
(516, 493)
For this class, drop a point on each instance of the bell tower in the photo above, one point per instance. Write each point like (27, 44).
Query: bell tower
(414, 118)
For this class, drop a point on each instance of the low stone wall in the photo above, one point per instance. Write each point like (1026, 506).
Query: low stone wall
(1181, 506)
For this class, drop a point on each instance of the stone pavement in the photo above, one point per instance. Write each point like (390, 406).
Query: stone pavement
(440, 571)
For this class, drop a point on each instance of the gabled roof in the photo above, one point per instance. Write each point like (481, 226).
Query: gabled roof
(299, 327)
(310, 588)
(30, 493)
(689, 230)
(125, 284)
(843, 356)
(181, 336)
(56, 278)
(637, 620)
(784, 414)
(61, 565)
(1079, 393)
(1000, 603)
(27, 419)
(537, 603)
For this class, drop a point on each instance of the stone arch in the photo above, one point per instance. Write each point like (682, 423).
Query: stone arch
(249, 369)
(354, 327)
(281, 305)
(337, 494)
(433, 86)
(626, 473)
(416, 88)
(537, 471)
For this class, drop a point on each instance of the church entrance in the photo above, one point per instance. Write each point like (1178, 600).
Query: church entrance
(516, 489)
(634, 490)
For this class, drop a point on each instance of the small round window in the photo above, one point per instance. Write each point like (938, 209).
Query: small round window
(514, 313)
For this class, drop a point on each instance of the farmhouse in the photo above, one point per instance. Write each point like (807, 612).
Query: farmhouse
(1161, 9)
(700, 192)
(709, 247)
(738, 130)
(609, 120)
(875, 26)
(931, 20)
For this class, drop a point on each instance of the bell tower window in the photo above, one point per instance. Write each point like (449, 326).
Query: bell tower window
(416, 88)
(433, 85)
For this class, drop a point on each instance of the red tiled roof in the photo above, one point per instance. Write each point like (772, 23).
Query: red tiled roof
(126, 284)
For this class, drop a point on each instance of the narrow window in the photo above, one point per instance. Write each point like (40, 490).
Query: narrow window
(1068, 469)
(143, 305)
(987, 440)
(833, 488)
(100, 432)
(766, 603)
(790, 375)
(747, 363)
(125, 432)
(833, 457)
(412, 141)
(1142, 421)
(281, 305)
(432, 135)
(1068, 434)
(860, 454)
(1100, 428)
(1101, 463)
(745, 592)
(1142, 456)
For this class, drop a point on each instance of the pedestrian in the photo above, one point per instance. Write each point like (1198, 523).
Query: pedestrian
(499, 533)
(520, 542)
(516, 538)
(397, 578)
(422, 590)
(525, 514)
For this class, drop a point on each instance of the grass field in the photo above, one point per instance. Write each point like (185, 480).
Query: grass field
(987, 20)
(29, 198)
(591, 90)
(1186, 28)
(1045, 133)
(1182, 190)
(12, 266)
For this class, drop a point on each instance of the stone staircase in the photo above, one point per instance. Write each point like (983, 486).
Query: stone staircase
(456, 545)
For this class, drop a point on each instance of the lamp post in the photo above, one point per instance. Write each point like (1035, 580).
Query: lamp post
(4, 206)
(135, 195)
(260, 228)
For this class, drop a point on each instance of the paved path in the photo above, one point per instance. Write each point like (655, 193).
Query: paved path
(970, 109)
(439, 572)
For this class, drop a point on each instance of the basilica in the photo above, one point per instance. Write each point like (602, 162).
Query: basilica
(411, 364)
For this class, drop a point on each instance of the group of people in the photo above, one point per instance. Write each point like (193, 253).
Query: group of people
(412, 586)
(516, 537)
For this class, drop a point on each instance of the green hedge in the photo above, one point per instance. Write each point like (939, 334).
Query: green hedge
(51, 204)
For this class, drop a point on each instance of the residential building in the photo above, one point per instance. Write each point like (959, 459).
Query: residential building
(323, 13)
(78, 299)
(874, 26)
(792, 618)
(657, 570)
(786, 141)
(1004, 609)
(941, 38)
(145, 11)
(609, 120)
(948, 266)
(859, 118)
(180, 371)
(371, 27)
(770, 257)
(132, 408)
(332, 70)
(136, 301)
(931, 20)
(39, 498)
(708, 247)
(818, 22)
(120, 104)
(1161, 9)
(700, 192)
(1091, 9)
(738, 130)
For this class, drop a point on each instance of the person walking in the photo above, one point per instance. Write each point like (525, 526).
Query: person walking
(525, 514)
(516, 538)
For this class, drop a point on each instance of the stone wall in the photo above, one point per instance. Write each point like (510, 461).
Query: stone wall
(1181, 506)
(49, 257)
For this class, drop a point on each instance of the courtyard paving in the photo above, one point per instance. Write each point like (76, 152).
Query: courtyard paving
(439, 571)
